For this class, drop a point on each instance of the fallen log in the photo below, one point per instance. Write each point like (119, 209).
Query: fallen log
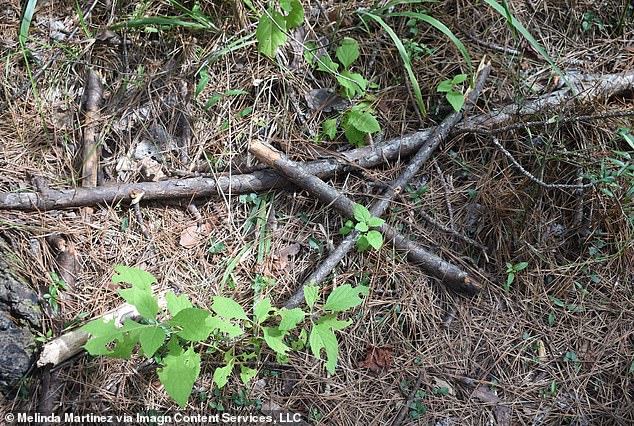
(590, 88)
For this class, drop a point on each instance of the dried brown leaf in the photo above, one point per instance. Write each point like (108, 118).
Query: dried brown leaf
(378, 359)
(194, 234)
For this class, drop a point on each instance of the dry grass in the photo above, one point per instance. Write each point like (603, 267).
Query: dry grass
(578, 246)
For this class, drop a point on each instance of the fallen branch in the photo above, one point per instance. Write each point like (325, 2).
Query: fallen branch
(380, 206)
(449, 274)
(91, 100)
(594, 88)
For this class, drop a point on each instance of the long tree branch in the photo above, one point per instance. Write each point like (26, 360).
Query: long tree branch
(591, 88)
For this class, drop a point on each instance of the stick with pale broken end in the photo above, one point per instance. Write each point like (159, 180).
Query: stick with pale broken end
(449, 274)
(65, 346)
(379, 207)
(603, 86)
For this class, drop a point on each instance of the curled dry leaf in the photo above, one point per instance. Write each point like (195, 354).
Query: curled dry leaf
(326, 100)
(281, 260)
(151, 169)
(195, 234)
(378, 359)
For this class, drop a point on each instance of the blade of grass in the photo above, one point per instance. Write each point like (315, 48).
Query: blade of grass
(405, 57)
(232, 265)
(529, 37)
(26, 20)
(443, 29)
(173, 21)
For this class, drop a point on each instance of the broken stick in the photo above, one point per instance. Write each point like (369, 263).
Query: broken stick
(449, 274)
(380, 206)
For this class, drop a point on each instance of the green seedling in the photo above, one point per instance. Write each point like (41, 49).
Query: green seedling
(364, 221)
(53, 295)
(454, 96)
(512, 271)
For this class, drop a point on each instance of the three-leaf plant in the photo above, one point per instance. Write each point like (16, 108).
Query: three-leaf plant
(367, 237)
(171, 336)
(359, 121)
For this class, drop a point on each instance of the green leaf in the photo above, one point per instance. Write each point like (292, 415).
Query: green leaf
(353, 135)
(361, 213)
(520, 266)
(352, 83)
(460, 78)
(455, 99)
(221, 374)
(311, 294)
(26, 20)
(364, 122)
(557, 302)
(136, 276)
(247, 373)
(375, 239)
(193, 324)
(175, 304)
(509, 280)
(445, 86)
(362, 227)
(295, 12)
(290, 318)
(330, 128)
(270, 32)
(347, 52)
(326, 65)
(224, 326)
(140, 294)
(345, 297)
(262, 310)
(362, 244)
(103, 333)
(174, 346)
(274, 338)
(627, 136)
(151, 339)
(228, 308)
(322, 337)
(178, 375)
(376, 221)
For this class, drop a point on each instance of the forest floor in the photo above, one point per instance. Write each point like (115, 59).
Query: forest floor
(556, 346)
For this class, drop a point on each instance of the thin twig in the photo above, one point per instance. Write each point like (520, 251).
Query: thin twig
(533, 178)
(411, 397)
